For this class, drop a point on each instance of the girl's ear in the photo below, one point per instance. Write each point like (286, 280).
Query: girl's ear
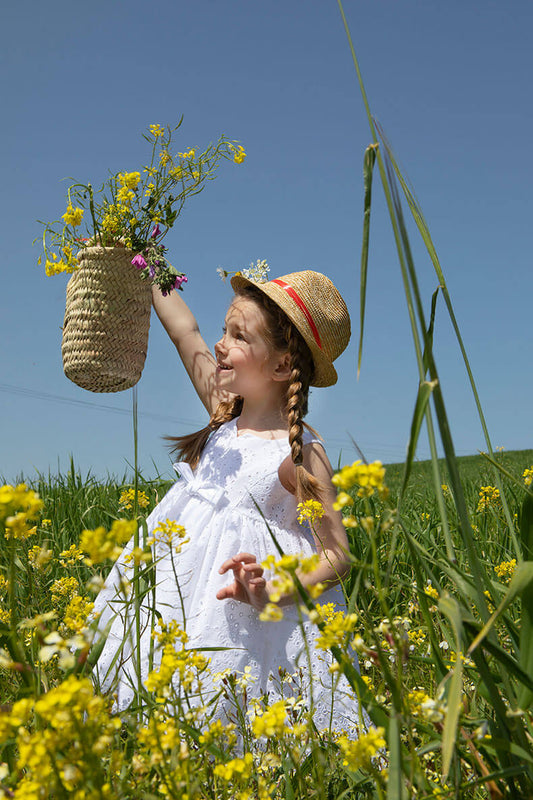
(282, 372)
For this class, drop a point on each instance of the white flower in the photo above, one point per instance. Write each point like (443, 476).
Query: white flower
(258, 272)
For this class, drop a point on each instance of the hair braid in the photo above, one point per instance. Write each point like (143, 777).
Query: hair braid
(307, 487)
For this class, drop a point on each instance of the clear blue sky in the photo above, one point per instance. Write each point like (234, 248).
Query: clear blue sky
(451, 85)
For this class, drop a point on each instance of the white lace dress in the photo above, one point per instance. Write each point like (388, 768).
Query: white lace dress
(217, 506)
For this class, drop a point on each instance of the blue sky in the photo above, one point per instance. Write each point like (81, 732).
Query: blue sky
(451, 85)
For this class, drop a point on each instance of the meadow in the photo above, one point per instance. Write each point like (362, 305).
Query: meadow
(445, 677)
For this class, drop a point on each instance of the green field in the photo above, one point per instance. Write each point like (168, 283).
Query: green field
(452, 720)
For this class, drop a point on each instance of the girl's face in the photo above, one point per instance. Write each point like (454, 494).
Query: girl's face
(246, 364)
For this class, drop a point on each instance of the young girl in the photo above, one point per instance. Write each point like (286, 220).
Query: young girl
(241, 478)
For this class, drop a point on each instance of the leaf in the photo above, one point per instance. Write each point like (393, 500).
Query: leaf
(451, 608)
(368, 171)
(424, 393)
(395, 787)
(431, 326)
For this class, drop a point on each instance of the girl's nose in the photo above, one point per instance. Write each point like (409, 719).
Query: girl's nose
(219, 347)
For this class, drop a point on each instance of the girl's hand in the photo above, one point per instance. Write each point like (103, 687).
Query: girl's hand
(249, 585)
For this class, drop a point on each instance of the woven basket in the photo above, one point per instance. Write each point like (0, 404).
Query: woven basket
(107, 318)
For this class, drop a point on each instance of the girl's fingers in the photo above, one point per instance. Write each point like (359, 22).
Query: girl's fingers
(226, 593)
(238, 561)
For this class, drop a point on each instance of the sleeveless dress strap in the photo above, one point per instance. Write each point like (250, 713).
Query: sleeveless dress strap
(310, 438)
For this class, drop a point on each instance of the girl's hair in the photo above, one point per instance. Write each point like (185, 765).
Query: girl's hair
(281, 335)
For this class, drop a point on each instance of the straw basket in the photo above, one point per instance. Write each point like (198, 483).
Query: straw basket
(107, 318)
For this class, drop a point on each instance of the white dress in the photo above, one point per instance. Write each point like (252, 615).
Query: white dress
(217, 506)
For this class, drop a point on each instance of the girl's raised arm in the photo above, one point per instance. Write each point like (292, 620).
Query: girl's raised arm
(182, 328)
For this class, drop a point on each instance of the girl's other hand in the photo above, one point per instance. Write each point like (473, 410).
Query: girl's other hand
(249, 585)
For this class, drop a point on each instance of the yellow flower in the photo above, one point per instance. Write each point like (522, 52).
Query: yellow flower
(156, 130)
(127, 499)
(39, 556)
(63, 587)
(416, 637)
(368, 524)
(271, 613)
(337, 627)
(19, 526)
(358, 753)
(73, 216)
(369, 478)
(528, 476)
(240, 768)
(19, 498)
(239, 155)
(138, 556)
(350, 521)
(431, 591)
(100, 544)
(125, 196)
(505, 570)
(164, 157)
(129, 180)
(271, 721)
(309, 511)
(425, 707)
(168, 532)
(67, 558)
(488, 496)
(343, 499)
(77, 613)
(188, 153)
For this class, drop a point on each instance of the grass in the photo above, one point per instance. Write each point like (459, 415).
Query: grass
(415, 613)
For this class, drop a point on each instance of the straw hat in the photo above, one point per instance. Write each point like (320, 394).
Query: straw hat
(315, 307)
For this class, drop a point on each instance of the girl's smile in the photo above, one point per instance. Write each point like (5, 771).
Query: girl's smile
(246, 364)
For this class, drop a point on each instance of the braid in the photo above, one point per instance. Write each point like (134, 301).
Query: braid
(307, 487)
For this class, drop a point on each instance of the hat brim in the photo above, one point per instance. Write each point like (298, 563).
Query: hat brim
(324, 373)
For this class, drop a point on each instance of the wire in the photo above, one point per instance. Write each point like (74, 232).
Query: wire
(37, 395)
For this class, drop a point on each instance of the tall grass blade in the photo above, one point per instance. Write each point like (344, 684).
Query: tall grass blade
(368, 172)
(450, 607)
(395, 784)
(423, 228)
(431, 327)
(424, 393)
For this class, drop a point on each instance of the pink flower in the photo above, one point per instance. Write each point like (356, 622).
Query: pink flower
(179, 280)
(139, 261)
(156, 231)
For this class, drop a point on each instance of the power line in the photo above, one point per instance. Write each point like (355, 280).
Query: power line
(56, 398)
(388, 451)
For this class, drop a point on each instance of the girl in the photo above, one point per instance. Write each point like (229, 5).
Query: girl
(240, 478)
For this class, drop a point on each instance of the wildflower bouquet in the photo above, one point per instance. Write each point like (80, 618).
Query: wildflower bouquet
(107, 316)
(135, 210)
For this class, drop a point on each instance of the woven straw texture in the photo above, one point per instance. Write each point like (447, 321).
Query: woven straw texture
(107, 319)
